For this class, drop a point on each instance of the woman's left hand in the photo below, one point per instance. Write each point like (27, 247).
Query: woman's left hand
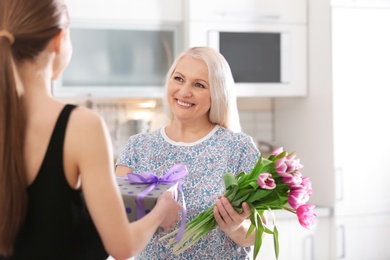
(227, 218)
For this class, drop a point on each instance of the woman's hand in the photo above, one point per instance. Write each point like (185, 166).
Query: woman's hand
(235, 225)
(170, 210)
(227, 218)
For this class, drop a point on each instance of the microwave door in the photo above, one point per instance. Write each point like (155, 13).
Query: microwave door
(255, 57)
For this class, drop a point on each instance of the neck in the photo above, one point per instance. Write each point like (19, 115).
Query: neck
(188, 132)
(36, 84)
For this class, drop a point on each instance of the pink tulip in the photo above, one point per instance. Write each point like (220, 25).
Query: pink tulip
(285, 166)
(306, 215)
(306, 185)
(293, 165)
(297, 197)
(293, 180)
(282, 168)
(265, 181)
(277, 151)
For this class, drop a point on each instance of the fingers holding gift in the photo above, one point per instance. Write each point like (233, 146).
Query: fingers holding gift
(169, 223)
(171, 211)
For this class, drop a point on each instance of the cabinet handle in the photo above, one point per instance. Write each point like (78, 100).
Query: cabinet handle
(308, 248)
(249, 15)
(339, 183)
(341, 242)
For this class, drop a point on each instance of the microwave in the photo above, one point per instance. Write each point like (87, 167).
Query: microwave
(119, 60)
(266, 59)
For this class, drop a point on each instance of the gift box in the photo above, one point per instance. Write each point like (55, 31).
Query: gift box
(130, 191)
(141, 191)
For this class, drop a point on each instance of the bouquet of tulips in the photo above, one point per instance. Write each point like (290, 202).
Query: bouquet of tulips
(274, 183)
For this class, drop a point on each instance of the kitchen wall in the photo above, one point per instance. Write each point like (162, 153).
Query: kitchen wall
(123, 116)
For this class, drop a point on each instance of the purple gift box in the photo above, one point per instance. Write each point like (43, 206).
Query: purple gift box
(141, 191)
(130, 191)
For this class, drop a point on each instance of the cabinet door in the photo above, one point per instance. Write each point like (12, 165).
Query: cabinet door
(279, 11)
(267, 248)
(143, 11)
(361, 62)
(360, 3)
(296, 242)
(364, 237)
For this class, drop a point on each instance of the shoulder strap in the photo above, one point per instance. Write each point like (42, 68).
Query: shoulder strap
(56, 144)
(58, 135)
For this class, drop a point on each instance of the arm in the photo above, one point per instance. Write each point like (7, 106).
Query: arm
(93, 156)
(236, 225)
(121, 170)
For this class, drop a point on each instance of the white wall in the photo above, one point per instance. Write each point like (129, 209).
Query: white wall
(305, 124)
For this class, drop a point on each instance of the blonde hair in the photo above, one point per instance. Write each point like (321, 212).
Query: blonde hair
(223, 110)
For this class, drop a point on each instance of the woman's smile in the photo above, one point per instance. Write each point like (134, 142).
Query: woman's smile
(183, 103)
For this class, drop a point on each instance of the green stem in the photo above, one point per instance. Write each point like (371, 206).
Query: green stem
(290, 209)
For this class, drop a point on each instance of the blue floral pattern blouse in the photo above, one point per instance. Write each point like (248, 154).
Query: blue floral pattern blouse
(207, 159)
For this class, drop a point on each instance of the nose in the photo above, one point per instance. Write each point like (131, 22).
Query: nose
(186, 90)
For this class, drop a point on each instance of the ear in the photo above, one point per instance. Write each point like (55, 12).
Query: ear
(57, 41)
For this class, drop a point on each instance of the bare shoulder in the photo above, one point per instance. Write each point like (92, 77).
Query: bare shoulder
(86, 124)
(83, 116)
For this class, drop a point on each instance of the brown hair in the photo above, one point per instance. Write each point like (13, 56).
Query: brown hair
(32, 24)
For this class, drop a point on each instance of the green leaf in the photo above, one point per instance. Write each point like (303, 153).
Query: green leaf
(240, 175)
(269, 167)
(259, 194)
(276, 242)
(238, 200)
(250, 230)
(259, 164)
(259, 236)
(253, 184)
(230, 180)
(268, 231)
(281, 155)
(252, 215)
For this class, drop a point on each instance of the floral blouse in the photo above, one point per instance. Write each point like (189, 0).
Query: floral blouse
(207, 159)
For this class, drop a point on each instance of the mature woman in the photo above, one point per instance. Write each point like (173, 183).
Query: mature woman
(203, 133)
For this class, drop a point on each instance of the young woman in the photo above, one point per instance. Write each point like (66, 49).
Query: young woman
(58, 193)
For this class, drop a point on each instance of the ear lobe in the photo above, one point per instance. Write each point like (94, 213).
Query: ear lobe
(57, 40)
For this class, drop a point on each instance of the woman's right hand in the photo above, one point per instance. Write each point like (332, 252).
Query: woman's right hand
(170, 209)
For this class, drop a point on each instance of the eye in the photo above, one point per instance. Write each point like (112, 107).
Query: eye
(199, 85)
(177, 78)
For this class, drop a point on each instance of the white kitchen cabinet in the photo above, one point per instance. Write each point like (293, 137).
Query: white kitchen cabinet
(361, 3)
(121, 48)
(145, 11)
(361, 58)
(298, 243)
(340, 131)
(275, 11)
(264, 42)
(363, 237)
(361, 62)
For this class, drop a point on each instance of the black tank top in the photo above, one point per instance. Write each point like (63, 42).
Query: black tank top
(58, 224)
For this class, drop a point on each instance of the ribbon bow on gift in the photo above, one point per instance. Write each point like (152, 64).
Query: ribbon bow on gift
(173, 175)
